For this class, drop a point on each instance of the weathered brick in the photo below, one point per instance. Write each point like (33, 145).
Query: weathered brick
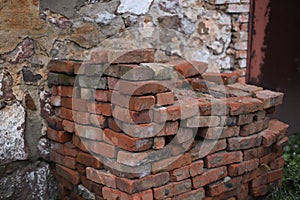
(223, 186)
(268, 137)
(133, 103)
(189, 69)
(98, 120)
(137, 185)
(252, 128)
(123, 141)
(101, 148)
(209, 176)
(62, 66)
(269, 98)
(79, 143)
(243, 167)
(223, 158)
(169, 164)
(68, 126)
(101, 177)
(143, 87)
(66, 149)
(248, 142)
(89, 132)
(172, 189)
(159, 143)
(58, 136)
(218, 132)
(244, 105)
(60, 79)
(130, 72)
(69, 174)
(88, 160)
(55, 101)
(201, 121)
(275, 175)
(82, 117)
(63, 160)
(65, 113)
(102, 95)
(192, 195)
(203, 148)
(278, 163)
(131, 117)
(166, 98)
(111, 194)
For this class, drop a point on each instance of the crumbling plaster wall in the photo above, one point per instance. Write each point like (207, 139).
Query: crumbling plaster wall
(33, 32)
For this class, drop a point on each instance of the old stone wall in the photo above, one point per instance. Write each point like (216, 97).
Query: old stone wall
(33, 32)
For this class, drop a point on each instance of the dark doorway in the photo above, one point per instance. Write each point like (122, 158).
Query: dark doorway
(275, 54)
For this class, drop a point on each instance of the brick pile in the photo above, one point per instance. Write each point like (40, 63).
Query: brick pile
(125, 127)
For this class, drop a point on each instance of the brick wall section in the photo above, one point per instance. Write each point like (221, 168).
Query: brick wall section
(129, 131)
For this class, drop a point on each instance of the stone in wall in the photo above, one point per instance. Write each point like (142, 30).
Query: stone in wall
(32, 182)
(12, 142)
(136, 7)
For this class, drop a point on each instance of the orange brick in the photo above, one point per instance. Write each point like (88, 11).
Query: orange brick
(243, 167)
(209, 176)
(101, 177)
(223, 158)
(58, 136)
(69, 174)
(172, 189)
(88, 160)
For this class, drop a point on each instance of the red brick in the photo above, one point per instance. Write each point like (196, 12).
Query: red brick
(276, 125)
(192, 195)
(184, 135)
(189, 69)
(112, 124)
(201, 121)
(78, 142)
(180, 174)
(102, 95)
(248, 142)
(66, 149)
(82, 117)
(171, 163)
(245, 119)
(65, 91)
(223, 158)
(131, 117)
(102, 149)
(88, 160)
(259, 172)
(65, 113)
(133, 103)
(123, 141)
(142, 184)
(113, 83)
(89, 132)
(259, 180)
(98, 120)
(252, 128)
(74, 104)
(69, 174)
(269, 98)
(260, 191)
(243, 167)
(203, 148)
(113, 194)
(63, 160)
(87, 93)
(101, 177)
(209, 176)
(220, 78)
(143, 87)
(282, 143)
(172, 189)
(268, 137)
(278, 163)
(55, 123)
(62, 66)
(244, 105)
(270, 157)
(223, 186)
(68, 126)
(163, 99)
(275, 175)
(58, 136)
(196, 168)
(106, 109)
(218, 132)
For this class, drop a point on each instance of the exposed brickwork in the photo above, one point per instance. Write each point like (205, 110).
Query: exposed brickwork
(145, 137)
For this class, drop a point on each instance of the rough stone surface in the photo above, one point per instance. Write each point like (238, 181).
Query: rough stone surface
(32, 182)
(134, 6)
(12, 143)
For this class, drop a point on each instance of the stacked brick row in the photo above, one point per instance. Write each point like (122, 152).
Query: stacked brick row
(125, 127)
